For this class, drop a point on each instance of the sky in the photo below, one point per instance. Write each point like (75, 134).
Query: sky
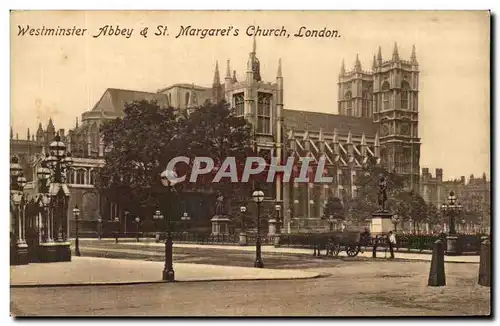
(60, 77)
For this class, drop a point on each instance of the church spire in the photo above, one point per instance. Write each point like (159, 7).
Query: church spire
(342, 68)
(379, 56)
(395, 53)
(228, 70)
(216, 74)
(374, 65)
(357, 64)
(413, 56)
(254, 45)
(279, 75)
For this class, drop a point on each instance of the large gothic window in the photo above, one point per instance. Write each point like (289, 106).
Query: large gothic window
(239, 104)
(405, 94)
(385, 96)
(264, 113)
(348, 103)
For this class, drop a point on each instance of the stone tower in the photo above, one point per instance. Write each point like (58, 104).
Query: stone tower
(395, 108)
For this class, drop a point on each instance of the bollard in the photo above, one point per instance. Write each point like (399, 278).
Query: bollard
(436, 275)
(484, 264)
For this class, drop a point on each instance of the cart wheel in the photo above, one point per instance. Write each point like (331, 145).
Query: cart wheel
(334, 249)
(352, 250)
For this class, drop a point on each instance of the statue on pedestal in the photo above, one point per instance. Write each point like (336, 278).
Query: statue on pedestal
(219, 205)
(382, 193)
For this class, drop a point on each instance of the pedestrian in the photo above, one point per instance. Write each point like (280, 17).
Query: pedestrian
(392, 243)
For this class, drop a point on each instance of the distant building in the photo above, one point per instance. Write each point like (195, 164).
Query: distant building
(474, 195)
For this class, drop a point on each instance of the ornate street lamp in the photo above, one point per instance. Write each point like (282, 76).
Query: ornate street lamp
(453, 209)
(76, 214)
(277, 209)
(117, 228)
(168, 181)
(258, 197)
(243, 235)
(395, 220)
(59, 161)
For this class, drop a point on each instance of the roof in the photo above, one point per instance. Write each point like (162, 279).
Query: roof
(303, 120)
(184, 85)
(114, 100)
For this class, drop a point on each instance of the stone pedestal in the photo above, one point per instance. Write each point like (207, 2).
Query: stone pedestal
(452, 246)
(20, 254)
(272, 227)
(52, 252)
(243, 239)
(276, 240)
(381, 222)
(220, 224)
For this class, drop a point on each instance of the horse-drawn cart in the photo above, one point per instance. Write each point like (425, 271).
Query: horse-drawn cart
(332, 242)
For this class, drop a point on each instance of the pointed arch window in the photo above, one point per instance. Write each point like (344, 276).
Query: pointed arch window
(385, 96)
(366, 104)
(70, 176)
(405, 95)
(80, 177)
(264, 113)
(239, 105)
(92, 176)
(348, 103)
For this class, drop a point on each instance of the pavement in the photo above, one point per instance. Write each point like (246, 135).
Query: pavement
(102, 271)
(145, 243)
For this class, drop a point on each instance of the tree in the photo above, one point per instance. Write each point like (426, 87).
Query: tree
(433, 215)
(213, 131)
(138, 148)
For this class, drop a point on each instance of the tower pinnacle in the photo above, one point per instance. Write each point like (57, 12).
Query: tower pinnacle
(216, 74)
(279, 75)
(342, 68)
(395, 53)
(357, 64)
(413, 56)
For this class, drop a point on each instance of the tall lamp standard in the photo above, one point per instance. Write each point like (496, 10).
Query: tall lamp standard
(167, 179)
(452, 209)
(59, 161)
(258, 198)
(157, 217)
(277, 209)
(243, 235)
(137, 222)
(76, 213)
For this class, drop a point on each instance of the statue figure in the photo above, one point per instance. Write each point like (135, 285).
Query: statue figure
(219, 205)
(382, 193)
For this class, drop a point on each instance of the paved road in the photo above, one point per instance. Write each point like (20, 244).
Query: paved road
(353, 288)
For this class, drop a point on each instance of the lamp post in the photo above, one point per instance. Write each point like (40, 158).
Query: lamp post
(99, 228)
(243, 235)
(137, 222)
(167, 177)
(158, 217)
(277, 209)
(59, 161)
(258, 197)
(17, 183)
(76, 214)
(395, 220)
(117, 228)
(452, 209)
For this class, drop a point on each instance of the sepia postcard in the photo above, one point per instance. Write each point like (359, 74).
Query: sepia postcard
(250, 163)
